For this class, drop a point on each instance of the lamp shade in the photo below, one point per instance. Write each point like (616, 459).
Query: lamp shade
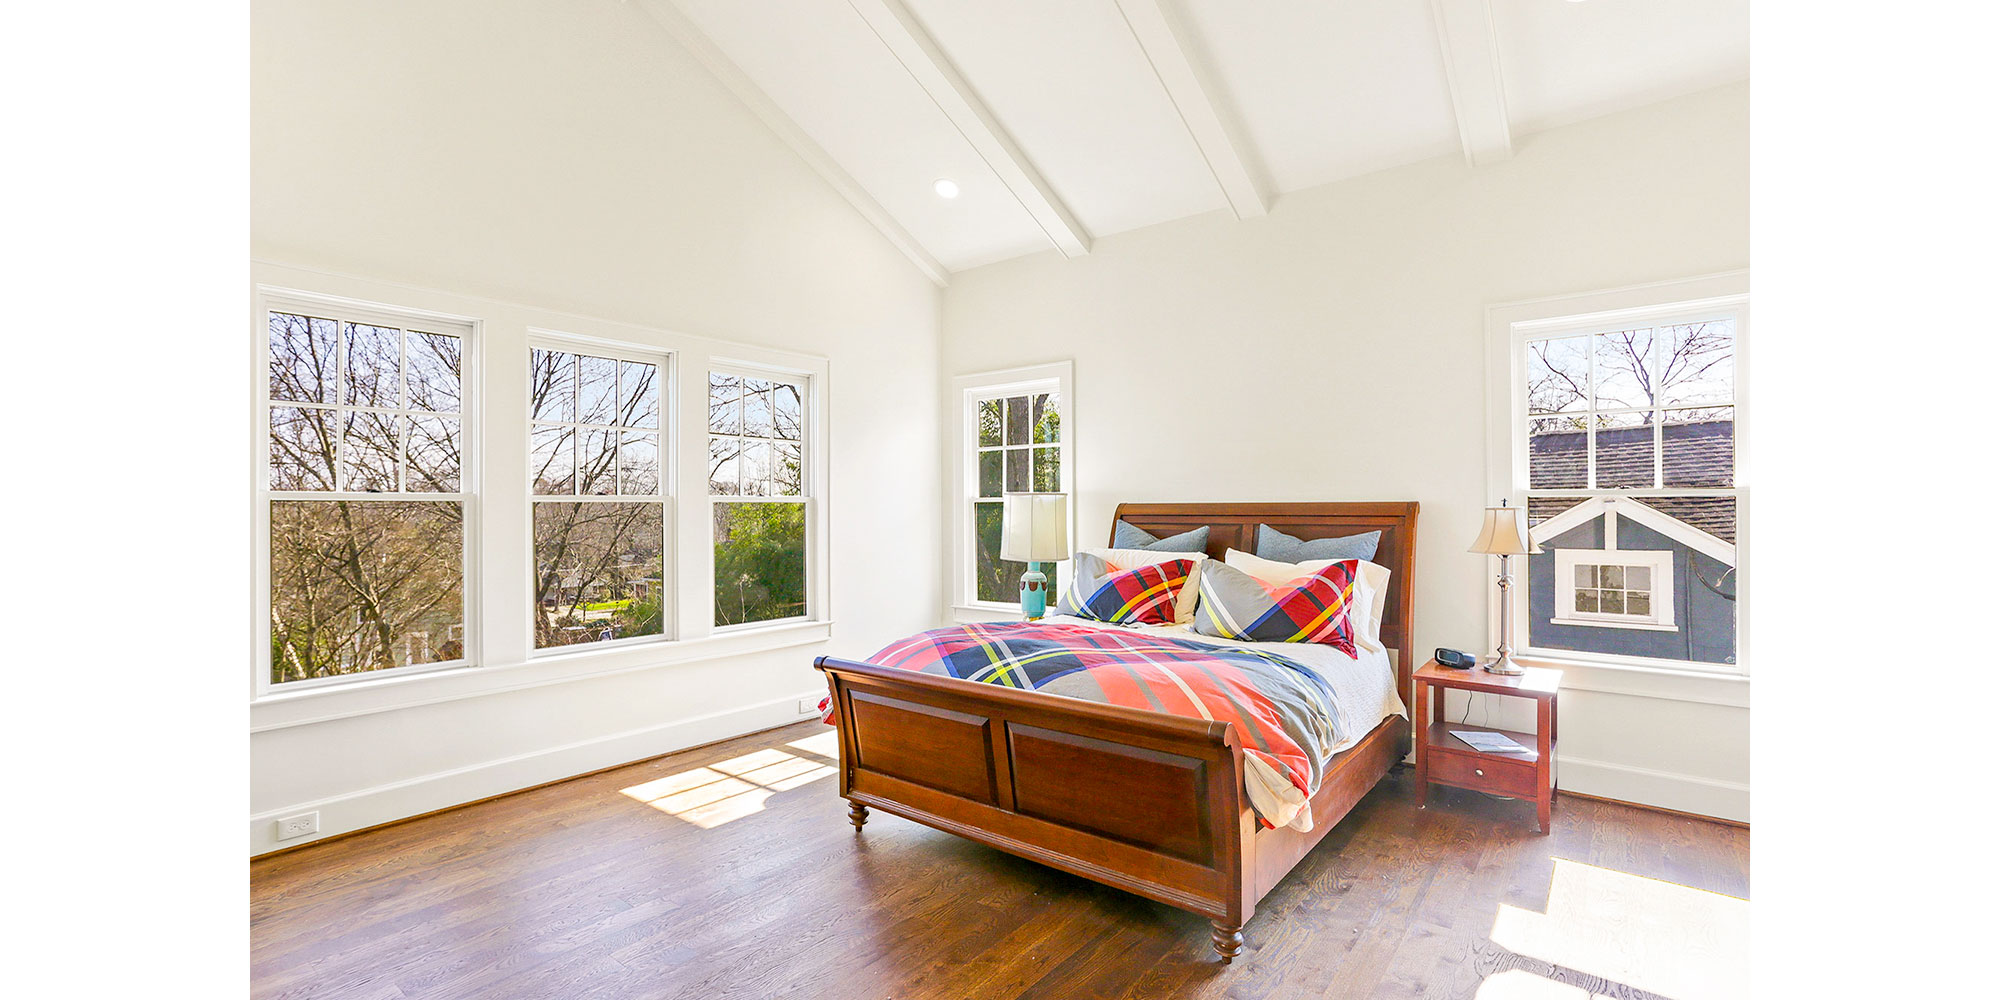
(1505, 533)
(1034, 527)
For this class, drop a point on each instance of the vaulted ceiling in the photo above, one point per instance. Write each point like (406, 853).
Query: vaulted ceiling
(1064, 120)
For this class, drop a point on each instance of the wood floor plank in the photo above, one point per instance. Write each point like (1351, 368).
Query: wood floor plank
(608, 888)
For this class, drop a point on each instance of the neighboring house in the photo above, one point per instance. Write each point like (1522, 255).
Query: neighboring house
(577, 585)
(1651, 576)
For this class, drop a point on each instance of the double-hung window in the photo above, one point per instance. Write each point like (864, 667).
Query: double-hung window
(1014, 437)
(596, 461)
(367, 491)
(758, 490)
(379, 556)
(1623, 434)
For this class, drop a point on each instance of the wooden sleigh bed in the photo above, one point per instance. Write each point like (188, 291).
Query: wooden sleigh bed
(1029, 773)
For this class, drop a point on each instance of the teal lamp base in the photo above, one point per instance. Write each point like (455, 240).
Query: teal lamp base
(1034, 592)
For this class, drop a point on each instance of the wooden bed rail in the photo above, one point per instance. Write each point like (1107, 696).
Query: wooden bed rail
(1147, 802)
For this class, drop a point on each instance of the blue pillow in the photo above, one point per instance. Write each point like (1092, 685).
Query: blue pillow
(1275, 544)
(1125, 536)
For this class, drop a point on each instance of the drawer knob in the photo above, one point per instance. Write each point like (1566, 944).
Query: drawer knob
(1479, 772)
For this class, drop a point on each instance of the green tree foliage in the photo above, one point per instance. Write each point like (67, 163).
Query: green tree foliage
(760, 562)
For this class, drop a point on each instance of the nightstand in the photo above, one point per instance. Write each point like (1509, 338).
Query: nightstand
(1443, 758)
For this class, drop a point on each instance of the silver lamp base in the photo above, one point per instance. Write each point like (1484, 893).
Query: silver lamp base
(1503, 665)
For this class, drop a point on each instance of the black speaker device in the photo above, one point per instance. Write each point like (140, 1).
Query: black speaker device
(1455, 660)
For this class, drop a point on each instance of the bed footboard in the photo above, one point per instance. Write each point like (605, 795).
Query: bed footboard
(1149, 803)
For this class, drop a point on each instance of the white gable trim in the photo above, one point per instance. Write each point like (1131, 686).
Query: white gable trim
(1584, 512)
(1672, 527)
(1680, 531)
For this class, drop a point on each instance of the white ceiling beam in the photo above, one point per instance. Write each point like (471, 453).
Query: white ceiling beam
(705, 51)
(912, 46)
(1163, 38)
(1472, 70)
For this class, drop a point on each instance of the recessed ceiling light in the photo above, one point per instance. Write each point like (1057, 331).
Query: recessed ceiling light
(946, 187)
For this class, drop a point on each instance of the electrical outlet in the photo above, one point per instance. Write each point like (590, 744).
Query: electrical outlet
(302, 825)
(809, 705)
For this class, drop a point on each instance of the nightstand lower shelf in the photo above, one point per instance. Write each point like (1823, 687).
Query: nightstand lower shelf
(1454, 763)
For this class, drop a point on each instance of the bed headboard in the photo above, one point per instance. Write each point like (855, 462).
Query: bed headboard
(1234, 526)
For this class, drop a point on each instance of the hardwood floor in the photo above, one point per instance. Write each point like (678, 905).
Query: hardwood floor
(731, 871)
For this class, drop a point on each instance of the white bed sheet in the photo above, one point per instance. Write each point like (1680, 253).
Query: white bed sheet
(1364, 693)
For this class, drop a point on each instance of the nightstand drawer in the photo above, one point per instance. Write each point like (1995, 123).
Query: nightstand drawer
(1484, 773)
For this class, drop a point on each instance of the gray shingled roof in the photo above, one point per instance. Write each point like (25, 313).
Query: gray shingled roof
(1696, 454)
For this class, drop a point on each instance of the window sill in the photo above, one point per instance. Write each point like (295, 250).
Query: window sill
(1644, 626)
(286, 709)
(963, 613)
(1718, 686)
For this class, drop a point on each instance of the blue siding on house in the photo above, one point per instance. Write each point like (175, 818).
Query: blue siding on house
(1705, 621)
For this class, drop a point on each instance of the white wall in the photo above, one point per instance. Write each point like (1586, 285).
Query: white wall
(510, 159)
(1333, 350)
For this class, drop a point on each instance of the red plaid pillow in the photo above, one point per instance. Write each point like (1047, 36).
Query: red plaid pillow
(1143, 595)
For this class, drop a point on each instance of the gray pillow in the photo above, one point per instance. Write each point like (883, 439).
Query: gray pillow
(1275, 544)
(1125, 536)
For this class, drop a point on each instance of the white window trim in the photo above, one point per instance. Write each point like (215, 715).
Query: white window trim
(669, 446)
(967, 391)
(811, 385)
(499, 638)
(1509, 326)
(1659, 561)
(268, 299)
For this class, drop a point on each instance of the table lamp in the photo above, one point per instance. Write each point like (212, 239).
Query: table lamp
(1034, 528)
(1505, 534)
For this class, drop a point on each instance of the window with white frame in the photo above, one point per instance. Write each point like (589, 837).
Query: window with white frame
(597, 492)
(1624, 431)
(367, 491)
(1014, 438)
(758, 493)
(1615, 588)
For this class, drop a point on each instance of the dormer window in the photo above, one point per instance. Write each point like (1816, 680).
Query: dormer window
(1615, 589)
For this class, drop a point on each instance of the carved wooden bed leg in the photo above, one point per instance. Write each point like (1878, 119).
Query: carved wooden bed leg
(857, 814)
(1227, 938)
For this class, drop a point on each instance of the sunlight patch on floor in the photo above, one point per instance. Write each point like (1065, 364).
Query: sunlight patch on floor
(1656, 936)
(825, 744)
(1520, 984)
(711, 796)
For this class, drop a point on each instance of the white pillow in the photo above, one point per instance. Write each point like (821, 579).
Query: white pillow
(1371, 588)
(1135, 558)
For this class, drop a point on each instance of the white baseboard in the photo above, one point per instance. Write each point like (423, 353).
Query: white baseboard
(1664, 789)
(386, 803)
(368, 807)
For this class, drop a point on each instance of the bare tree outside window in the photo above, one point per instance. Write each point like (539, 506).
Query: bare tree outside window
(595, 467)
(1632, 409)
(367, 509)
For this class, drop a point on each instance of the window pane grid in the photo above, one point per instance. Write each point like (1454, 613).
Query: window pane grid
(757, 486)
(598, 496)
(1644, 416)
(1610, 396)
(572, 455)
(1015, 446)
(1612, 590)
(756, 437)
(367, 547)
(363, 441)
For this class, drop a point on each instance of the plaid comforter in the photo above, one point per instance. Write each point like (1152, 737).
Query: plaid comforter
(1284, 713)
